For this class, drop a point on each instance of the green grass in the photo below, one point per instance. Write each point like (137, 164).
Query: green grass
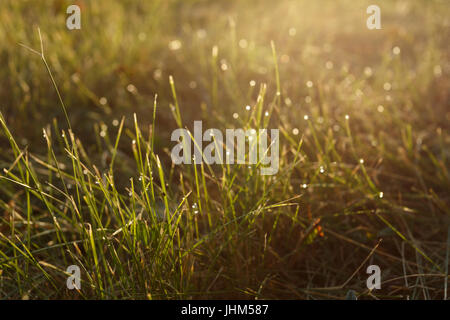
(85, 146)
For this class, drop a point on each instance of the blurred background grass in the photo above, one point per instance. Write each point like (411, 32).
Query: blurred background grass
(391, 84)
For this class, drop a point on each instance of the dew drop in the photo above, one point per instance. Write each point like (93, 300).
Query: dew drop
(175, 45)
(131, 88)
(243, 43)
(368, 71)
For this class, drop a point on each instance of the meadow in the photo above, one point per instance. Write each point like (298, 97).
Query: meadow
(87, 179)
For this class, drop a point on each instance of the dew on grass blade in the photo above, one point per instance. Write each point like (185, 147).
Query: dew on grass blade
(223, 65)
(192, 84)
(175, 45)
(243, 43)
(131, 88)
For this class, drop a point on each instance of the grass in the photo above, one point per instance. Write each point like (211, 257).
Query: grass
(87, 180)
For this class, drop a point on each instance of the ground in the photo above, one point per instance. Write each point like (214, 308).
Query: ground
(87, 177)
